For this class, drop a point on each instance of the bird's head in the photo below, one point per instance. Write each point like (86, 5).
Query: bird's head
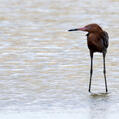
(91, 28)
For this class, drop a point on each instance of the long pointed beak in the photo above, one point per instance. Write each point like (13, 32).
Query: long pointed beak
(79, 29)
(73, 30)
(83, 29)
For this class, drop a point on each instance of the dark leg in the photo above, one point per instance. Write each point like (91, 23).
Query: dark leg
(104, 71)
(91, 70)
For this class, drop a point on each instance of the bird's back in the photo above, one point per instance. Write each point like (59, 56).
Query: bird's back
(105, 39)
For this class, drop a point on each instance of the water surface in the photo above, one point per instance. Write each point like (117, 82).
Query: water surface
(44, 70)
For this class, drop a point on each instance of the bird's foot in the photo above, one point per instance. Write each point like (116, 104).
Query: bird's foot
(89, 91)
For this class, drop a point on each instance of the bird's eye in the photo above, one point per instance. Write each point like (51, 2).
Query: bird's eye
(88, 27)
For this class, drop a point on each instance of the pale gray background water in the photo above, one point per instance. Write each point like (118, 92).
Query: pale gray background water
(44, 70)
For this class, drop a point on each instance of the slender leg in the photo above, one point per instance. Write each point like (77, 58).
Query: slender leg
(104, 71)
(91, 69)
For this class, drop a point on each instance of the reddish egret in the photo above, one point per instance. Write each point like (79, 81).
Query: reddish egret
(97, 41)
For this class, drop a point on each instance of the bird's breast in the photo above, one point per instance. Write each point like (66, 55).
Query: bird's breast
(94, 43)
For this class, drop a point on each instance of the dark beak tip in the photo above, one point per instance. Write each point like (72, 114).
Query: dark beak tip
(73, 30)
(70, 30)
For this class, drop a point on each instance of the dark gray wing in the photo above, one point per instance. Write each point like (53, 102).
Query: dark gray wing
(105, 39)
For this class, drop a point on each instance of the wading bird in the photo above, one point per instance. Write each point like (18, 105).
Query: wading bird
(97, 41)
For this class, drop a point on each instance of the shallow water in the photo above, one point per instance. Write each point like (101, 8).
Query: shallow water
(44, 70)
